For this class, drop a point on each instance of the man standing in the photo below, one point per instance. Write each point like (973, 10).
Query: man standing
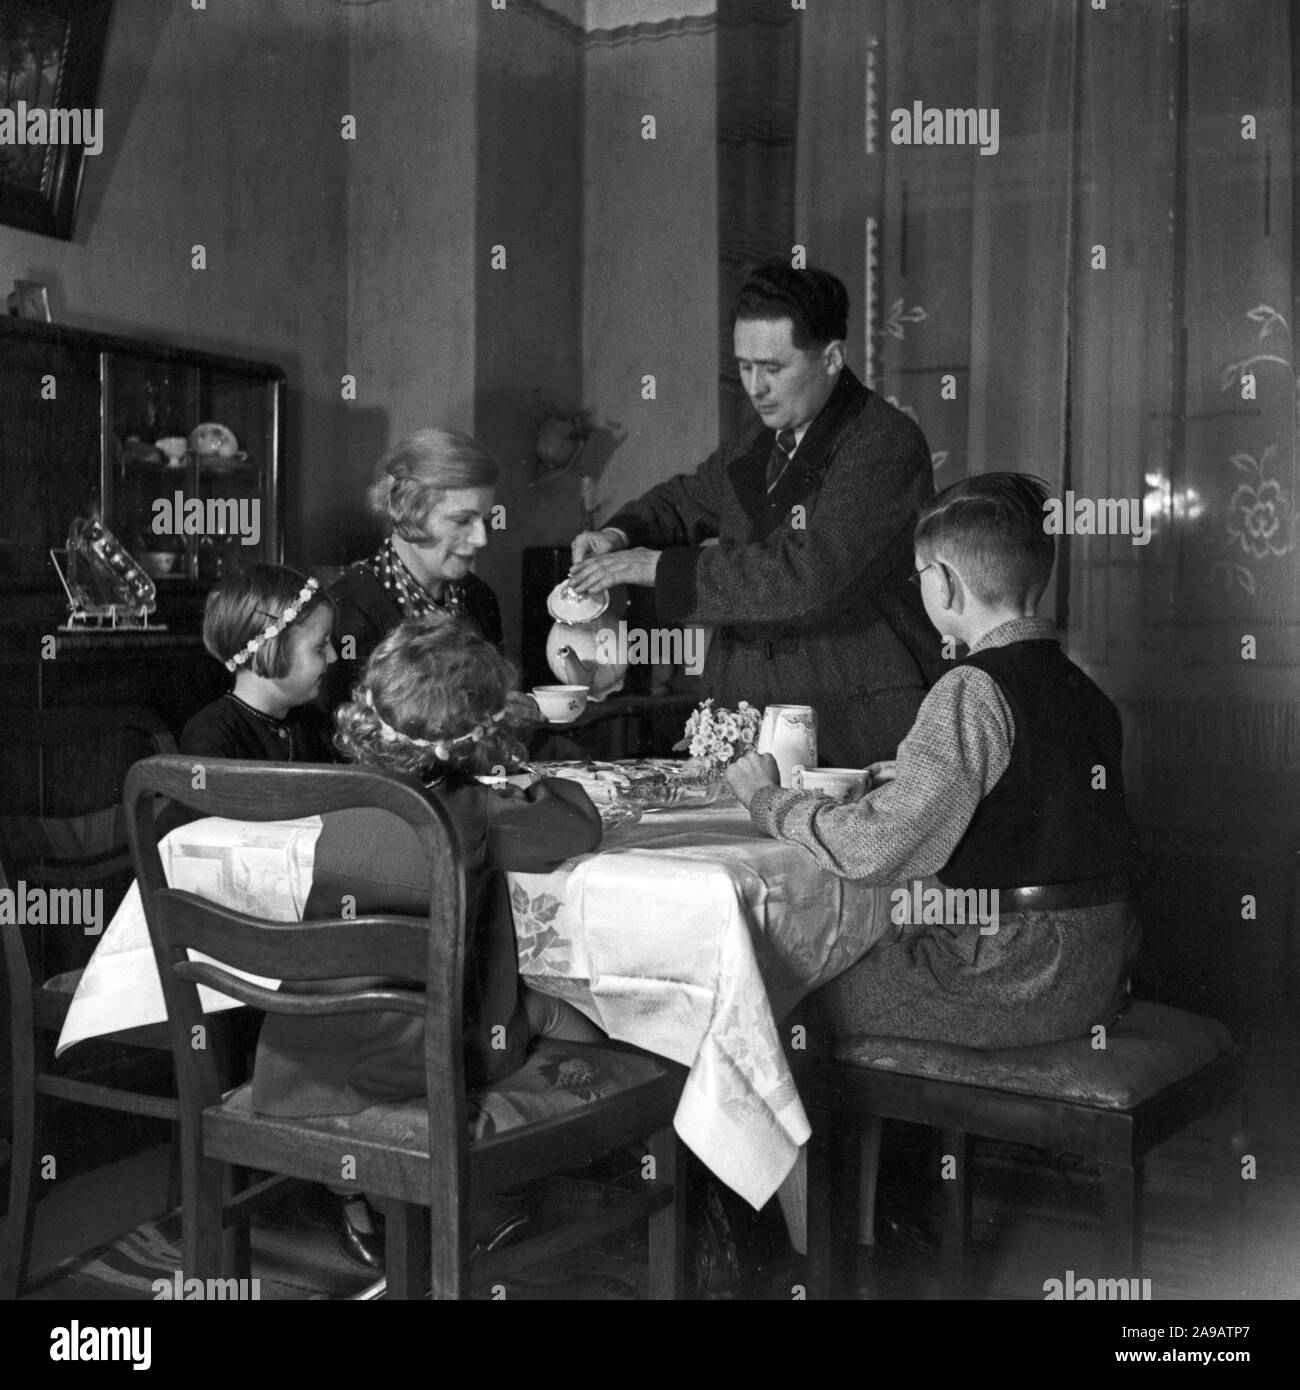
(813, 505)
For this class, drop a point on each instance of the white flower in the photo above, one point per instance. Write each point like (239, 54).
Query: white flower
(720, 736)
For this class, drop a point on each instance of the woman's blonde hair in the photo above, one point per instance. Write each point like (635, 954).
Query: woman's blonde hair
(432, 698)
(414, 476)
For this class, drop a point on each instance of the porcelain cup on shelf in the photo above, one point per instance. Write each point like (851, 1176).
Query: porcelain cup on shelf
(789, 734)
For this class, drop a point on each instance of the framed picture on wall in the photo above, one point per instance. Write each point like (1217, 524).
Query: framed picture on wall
(51, 52)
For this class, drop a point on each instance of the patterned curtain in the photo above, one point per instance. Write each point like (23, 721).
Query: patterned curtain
(758, 107)
(1185, 381)
(1109, 301)
(1106, 301)
(956, 262)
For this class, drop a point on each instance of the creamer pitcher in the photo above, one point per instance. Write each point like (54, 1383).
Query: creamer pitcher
(789, 734)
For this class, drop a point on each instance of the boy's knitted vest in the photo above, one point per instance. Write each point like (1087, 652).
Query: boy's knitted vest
(1048, 820)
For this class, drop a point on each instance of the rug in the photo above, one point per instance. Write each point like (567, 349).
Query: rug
(293, 1260)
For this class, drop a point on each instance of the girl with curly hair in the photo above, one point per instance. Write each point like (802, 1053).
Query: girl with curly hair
(433, 702)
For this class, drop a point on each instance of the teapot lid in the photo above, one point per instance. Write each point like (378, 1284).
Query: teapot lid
(566, 605)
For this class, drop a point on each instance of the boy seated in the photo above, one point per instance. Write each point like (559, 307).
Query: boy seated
(1009, 780)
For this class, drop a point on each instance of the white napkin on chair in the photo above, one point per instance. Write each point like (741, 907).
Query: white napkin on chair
(260, 867)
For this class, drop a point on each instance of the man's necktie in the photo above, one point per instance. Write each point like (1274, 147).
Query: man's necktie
(782, 449)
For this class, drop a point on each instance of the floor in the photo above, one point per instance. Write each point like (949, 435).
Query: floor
(1035, 1219)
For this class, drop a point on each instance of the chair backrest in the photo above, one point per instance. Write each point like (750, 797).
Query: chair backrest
(62, 827)
(429, 948)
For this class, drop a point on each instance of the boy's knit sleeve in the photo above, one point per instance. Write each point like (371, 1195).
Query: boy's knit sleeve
(957, 750)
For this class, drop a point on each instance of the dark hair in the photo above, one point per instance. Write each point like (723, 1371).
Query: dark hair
(243, 605)
(992, 528)
(815, 301)
(434, 679)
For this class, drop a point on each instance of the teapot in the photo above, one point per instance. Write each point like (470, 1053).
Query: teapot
(575, 651)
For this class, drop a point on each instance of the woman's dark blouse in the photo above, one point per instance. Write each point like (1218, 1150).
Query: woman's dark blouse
(367, 613)
(342, 1064)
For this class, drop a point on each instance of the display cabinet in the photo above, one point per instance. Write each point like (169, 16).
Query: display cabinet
(179, 453)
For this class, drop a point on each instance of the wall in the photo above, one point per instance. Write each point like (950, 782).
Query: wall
(371, 257)
(220, 128)
(411, 251)
(650, 270)
(528, 314)
(530, 140)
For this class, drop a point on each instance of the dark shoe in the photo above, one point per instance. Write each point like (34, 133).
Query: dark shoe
(365, 1248)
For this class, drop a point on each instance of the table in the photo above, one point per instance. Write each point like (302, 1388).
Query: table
(692, 936)
(689, 935)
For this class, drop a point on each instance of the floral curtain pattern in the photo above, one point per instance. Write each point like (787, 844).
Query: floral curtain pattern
(1107, 301)
(1113, 297)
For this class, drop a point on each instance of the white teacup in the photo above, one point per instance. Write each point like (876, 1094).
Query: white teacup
(838, 782)
(561, 704)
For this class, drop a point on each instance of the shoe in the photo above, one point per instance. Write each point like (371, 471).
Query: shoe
(365, 1248)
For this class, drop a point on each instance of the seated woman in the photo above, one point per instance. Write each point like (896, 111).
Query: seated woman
(433, 495)
(432, 702)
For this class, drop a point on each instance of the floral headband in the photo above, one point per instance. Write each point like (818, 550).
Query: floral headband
(441, 746)
(273, 629)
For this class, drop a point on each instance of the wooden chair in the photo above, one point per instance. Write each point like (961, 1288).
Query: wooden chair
(63, 828)
(1161, 1070)
(416, 1159)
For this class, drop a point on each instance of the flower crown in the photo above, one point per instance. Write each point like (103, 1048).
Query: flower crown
(441, 746)
(273, 629)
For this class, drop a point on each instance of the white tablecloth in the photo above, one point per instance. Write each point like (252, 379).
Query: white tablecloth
(691, 935)
(688, 935)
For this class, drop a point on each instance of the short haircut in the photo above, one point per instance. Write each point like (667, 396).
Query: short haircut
(991, 526)
(243, 604)
(815, 301)
(431, 678)
(415, 474)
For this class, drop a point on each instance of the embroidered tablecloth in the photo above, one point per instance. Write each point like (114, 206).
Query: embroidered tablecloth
(691, 935)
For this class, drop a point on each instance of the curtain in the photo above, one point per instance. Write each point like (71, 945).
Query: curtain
(1112, 298)
(957, 259)
(1106, 301)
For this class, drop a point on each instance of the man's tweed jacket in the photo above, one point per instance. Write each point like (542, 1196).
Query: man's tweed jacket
(809, 588)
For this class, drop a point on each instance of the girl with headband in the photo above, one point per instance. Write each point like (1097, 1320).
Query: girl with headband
(272, 628)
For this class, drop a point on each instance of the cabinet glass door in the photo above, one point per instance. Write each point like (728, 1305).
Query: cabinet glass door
(150, 403)
(236, 474)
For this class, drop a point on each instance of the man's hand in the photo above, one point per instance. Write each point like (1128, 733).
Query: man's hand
(591, 543)
(879, 773)
(749, 774)
(611, 568)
